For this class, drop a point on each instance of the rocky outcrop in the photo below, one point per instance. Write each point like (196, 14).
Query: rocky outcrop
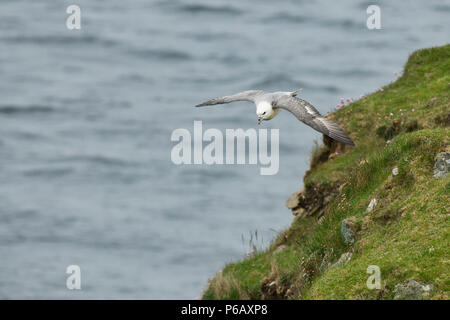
(293, 201)
(273, 288)
(310, 201)
(413, 290)
(441, 164)
(348, 231)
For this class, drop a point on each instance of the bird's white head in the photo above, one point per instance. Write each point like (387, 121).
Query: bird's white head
(264, 111)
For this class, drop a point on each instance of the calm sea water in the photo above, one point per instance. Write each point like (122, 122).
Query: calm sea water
(86, 118)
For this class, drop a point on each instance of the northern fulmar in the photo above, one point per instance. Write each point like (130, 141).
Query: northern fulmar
(269, 104)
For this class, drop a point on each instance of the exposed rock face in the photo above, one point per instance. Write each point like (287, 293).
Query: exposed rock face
(413, 290)
(273, 289)
(310, 201)
(293, 200)
(348, 231)
(299, 212)
(270, 290)
(441, 165)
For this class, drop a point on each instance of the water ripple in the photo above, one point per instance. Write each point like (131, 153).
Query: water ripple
(59, 40)
(30, 109)
(161, 54)
(206, 8)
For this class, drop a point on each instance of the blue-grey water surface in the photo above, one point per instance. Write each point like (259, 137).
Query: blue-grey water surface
(86, 118)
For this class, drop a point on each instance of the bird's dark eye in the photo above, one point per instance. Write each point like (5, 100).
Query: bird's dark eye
(264, 113)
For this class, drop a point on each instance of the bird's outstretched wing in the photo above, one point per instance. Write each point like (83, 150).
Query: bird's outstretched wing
(249, 95)
(305, 112)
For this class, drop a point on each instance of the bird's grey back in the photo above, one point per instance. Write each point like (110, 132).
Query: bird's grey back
(271, 96)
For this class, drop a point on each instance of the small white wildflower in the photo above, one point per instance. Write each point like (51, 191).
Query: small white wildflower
(431, 249)
(395, 171)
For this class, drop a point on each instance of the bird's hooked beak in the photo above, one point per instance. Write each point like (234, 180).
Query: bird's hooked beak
(259, 120)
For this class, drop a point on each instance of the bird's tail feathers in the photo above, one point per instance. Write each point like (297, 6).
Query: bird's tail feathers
(335, 132)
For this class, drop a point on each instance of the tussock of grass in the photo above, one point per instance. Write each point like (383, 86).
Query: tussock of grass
(406, 235)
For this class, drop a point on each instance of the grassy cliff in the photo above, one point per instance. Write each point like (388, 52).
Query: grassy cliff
(398, 131)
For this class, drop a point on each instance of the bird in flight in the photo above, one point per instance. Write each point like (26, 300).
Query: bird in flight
(269, 104)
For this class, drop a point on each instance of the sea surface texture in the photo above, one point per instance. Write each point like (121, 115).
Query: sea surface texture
(86, 118)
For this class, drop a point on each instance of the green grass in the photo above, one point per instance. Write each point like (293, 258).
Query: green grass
(406, 235)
